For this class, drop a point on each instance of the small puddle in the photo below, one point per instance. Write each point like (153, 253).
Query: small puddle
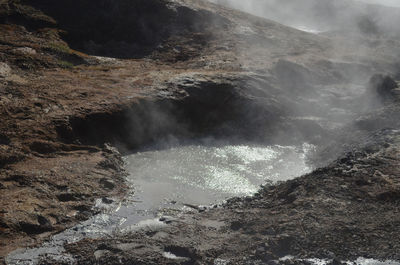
(175, 178)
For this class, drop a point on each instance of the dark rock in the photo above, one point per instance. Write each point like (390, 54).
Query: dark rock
(383, 85)
(181, 252)
(4, 139)
(66, 197)
(336, 262)
(236, 225)
(368, 25)
(9, 158)
(43, 147)
(84, 215)
(389, 196)
(106, 200)
(281, 246)
(3, 224)
(41, 225)
(270, 231)
(107, 184)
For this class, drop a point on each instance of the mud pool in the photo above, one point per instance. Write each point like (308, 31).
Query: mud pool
(177, 178)
(207, 174)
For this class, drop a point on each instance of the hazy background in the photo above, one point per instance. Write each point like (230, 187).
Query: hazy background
(327, 15)
(383, 2)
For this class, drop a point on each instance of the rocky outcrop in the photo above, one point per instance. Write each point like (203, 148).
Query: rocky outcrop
(384, 87)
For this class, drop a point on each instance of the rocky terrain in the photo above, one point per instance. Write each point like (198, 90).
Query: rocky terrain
(78, 90)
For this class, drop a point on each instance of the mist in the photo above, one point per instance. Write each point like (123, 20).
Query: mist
(394, 3)
(367, 17)
(360, 42)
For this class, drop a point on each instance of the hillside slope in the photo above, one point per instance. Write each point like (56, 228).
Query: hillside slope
(79, 77)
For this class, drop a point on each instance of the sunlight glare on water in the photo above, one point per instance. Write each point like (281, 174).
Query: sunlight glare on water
(211, 173)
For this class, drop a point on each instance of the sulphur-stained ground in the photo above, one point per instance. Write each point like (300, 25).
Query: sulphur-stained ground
(71, 92)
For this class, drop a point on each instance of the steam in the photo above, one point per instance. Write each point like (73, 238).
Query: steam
(367, 16)
(394, 3)
(360, 42)
(328, 93)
